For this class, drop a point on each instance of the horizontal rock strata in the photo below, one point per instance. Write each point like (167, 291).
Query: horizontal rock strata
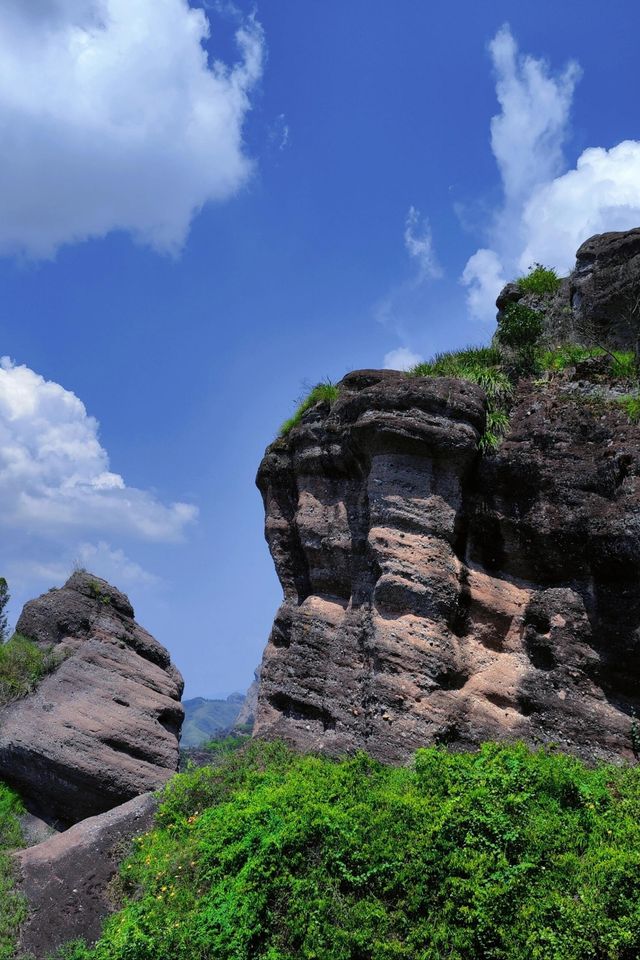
(432, 595)
(104, 726)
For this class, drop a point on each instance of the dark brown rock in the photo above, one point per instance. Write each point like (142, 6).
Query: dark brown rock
(605, 289)
(68, 880)
(104, 727)
(432, 595)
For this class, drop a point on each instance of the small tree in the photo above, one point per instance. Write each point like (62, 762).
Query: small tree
(4, 600)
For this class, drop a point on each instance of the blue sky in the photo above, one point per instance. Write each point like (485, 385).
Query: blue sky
(184, 246)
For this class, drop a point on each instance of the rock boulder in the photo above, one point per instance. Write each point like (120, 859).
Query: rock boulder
(104, 726)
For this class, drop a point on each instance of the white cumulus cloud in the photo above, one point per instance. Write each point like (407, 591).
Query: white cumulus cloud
(112, 118)
(483, 276)
(601, 194)
(54, 473)
(547, 210)
(401, 359)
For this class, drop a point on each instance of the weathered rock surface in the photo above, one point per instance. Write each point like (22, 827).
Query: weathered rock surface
(432, 595)
(605, 288)
(247, 716)
(68, 880)
(102, 728)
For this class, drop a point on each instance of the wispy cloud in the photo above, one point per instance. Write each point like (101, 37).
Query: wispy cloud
(547, 210)
(399, 307)
(104, 130)
(527, 139)
(418, 241)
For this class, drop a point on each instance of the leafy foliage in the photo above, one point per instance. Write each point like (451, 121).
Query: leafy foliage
(520, 326)
(12, 905)
(325, 392)
(541, 281)
(22, 665)
(226, 745)
(502, 855)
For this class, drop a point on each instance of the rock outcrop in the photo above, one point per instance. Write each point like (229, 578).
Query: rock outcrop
(68, 880)
(104, 726)
(605, 289)
(247, 716)
(432, 595)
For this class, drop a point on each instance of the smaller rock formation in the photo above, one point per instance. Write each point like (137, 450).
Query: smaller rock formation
(247, 716)
(104, 726)
(68, 879)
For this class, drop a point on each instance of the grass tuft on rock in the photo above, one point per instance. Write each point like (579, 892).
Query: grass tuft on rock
(12, 905)
(504, 854)
(23, 664)
(540, 281)
(479, 365)
(326, 393)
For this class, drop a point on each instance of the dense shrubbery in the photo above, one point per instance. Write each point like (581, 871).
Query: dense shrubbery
(499, 855)
(12, 907)
(22, 665)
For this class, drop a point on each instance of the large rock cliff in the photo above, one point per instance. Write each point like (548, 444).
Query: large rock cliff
(435, 595)
(104, 726)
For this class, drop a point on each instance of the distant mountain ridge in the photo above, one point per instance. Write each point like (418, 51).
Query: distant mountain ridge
(205, 718)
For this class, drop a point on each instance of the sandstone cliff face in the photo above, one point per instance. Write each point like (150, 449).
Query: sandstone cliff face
(432, 595)
(104, 727)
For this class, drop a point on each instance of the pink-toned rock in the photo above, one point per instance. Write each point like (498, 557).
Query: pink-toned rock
(432, 595)
(104, 727)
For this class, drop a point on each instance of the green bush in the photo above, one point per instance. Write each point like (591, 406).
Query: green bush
(12, 905)
(519, 326)
(326, 393)
(22, 665)
(541, 281)
(499, 855)
(223, 746)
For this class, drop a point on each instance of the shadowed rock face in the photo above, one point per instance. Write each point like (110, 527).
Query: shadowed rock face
(104, 727)
(68, 879)
(431, 595)
(605, 288)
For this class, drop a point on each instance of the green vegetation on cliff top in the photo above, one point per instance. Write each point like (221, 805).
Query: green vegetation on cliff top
(496, 370)
(502, 854)
(12, 905)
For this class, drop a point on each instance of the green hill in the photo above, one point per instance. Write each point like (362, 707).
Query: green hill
(206, 718)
